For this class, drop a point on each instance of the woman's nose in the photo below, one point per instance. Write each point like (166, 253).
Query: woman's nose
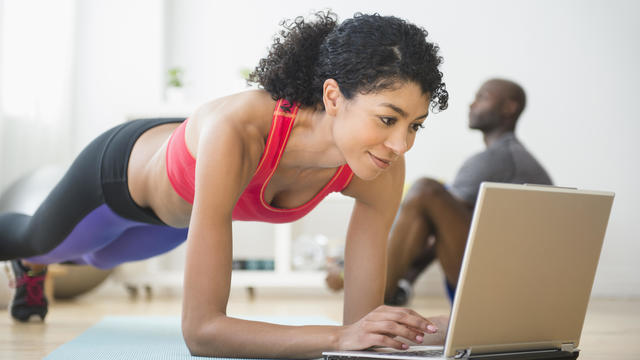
(397, 142)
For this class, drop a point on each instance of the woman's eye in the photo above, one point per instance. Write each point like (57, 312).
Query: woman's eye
(417, 127)
(387, 120)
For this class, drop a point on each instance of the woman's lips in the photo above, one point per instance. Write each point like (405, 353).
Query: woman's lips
(382, 164)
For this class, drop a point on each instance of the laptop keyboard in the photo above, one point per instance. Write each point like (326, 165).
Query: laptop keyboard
(391, 355)
(415, 353)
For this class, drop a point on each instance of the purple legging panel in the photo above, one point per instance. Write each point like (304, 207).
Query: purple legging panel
(103, 239)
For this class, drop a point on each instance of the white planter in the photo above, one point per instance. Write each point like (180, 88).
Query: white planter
(174, 95)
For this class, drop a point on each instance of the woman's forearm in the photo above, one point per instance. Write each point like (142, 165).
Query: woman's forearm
(232, 337)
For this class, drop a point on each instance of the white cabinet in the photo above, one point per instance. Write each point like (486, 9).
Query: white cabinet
(329, 220)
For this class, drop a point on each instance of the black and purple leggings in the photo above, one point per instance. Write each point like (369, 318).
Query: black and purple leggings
(90, 217)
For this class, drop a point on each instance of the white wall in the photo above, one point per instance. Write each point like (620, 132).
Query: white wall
(119, 63)
(36, 57)
(576, 59)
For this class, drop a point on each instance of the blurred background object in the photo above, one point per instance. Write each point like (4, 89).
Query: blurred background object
(6, 291)
(309, 252)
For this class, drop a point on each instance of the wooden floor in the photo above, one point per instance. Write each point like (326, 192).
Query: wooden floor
(611, 331)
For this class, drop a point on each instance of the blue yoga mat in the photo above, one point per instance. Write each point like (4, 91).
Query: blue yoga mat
(157, 337)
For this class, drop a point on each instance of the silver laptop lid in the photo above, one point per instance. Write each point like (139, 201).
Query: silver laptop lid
(528, 268)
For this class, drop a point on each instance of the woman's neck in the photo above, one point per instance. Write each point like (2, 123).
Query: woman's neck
(311, 143)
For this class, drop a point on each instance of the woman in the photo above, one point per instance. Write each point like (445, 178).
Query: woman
(339, 106)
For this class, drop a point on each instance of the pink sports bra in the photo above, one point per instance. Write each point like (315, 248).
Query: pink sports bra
(251, 206)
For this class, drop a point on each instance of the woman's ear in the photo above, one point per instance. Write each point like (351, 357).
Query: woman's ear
(331, 96)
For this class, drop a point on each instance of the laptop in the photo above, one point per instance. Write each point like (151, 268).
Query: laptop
(526, 276)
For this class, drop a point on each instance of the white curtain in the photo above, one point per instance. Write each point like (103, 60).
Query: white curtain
(37, 48)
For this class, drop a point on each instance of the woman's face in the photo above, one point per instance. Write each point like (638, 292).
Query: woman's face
(374, 130)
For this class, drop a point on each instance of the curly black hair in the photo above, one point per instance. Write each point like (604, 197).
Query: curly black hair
(364, 54)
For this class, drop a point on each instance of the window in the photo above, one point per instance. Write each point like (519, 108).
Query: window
(36, 57)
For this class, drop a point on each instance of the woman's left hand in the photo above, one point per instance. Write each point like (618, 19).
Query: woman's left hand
(437, 338)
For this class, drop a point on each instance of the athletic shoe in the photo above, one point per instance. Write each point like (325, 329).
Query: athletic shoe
(29, 298)
(402, 295)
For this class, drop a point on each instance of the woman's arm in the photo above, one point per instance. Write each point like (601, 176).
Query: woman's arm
(377, 202)
(376, 205)
(224, 167)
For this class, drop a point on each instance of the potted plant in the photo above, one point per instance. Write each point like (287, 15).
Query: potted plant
(174, 92)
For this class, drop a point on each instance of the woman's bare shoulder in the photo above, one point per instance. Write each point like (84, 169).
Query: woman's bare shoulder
(248, 108)
(249, 113)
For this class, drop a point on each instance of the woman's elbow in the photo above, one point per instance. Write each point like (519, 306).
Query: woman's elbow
(199, 337)
(192, 335)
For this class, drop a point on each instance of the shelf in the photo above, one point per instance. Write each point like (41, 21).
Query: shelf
(239, 278)
(250, 278)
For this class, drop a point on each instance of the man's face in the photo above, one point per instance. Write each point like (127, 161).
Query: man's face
(485, 110)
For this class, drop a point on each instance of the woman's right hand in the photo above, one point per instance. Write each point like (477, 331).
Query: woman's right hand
(381, 326)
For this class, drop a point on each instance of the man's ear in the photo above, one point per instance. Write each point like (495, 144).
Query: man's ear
(509, 109)
(331, 96)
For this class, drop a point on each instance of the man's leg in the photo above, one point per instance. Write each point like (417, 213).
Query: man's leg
(408, 238)
(451, 218)
(428, 209)
(422, 261)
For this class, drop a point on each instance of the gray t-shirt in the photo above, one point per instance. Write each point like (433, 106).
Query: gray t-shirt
(506, 160)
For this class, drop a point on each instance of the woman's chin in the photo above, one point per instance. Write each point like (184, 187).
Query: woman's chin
(367, 175)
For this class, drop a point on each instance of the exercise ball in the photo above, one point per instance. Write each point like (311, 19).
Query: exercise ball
(24, 196)
(77, 280)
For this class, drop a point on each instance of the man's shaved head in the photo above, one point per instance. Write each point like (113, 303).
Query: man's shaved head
(497, 105)
(509, 90)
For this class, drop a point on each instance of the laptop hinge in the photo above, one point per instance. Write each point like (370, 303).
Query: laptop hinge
(462, 354)
(466, 353)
